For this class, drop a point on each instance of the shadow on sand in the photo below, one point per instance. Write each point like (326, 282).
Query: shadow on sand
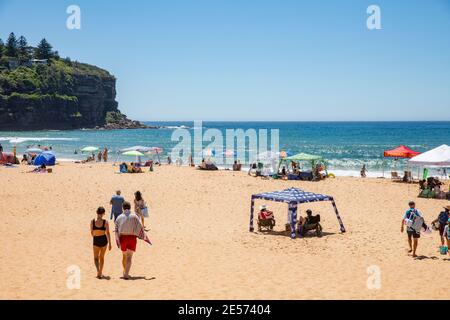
(425, 258)
(138, 278)
(311, 234)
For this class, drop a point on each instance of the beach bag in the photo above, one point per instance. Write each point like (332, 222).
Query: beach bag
(144, 211)
(417, 224)
(443, 250)
(414, 221)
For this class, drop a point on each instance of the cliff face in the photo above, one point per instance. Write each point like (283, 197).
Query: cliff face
(61, 95)
(92, 98)
(96, 97)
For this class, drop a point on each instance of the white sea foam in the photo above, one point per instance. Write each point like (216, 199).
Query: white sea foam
(16, 140)
(174, 127)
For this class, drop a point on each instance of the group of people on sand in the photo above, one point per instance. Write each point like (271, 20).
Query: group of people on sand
(102, 155)
(128, 227)
(415, 224)
(135, 167)
(305, 224)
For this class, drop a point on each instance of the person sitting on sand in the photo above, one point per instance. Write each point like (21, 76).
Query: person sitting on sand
(89, 159)
(283, 172)
(25, 159)
(413, 235)
(423, 184)
(136, 168)
(203, 164)
(101, 239)
(236, 166)
(442, 220)
(129, 167)
(41, 169)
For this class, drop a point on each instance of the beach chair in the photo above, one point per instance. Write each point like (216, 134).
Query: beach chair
(266, 224)
(395, 176)
(313, 225)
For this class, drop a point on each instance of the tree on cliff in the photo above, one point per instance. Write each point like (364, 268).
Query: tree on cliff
(12, 46)
(23, 49)
(44, 50)
(2, 48)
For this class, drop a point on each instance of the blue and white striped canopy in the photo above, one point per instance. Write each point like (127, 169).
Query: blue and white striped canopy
(292, 195)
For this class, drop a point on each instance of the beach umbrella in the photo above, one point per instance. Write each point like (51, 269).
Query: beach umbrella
(210, 153)
(285, 154)
(155, 150)
(229, 153)
(137, 148)
(89, 149)
(34, 150)
(133, 153)
(267, 156)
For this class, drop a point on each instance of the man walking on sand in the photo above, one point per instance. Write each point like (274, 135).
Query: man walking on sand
(128, 229)
(116, 205)
(413, 234)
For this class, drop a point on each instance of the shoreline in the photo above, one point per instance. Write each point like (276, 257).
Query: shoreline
(351, 173)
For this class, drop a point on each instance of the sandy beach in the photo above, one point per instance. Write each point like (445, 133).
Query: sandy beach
(201, 245)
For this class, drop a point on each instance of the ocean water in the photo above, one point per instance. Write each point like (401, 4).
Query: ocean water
(345, 145)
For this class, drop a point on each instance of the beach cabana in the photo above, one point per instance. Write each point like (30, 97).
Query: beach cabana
(293, 197)
(437, 157)
(302, 157)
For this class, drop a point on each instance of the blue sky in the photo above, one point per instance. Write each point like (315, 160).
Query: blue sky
(256, 59)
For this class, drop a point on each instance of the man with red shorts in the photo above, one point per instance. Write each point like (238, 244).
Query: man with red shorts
(127, 225)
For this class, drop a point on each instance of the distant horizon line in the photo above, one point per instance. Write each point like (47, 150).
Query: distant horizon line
(299, 121)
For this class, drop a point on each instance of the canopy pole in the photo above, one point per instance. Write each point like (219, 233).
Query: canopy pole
(252, 211)
(293, 218)
(338, 216)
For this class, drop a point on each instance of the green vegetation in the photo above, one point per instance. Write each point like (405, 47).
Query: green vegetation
(114, 116)
(54, 77)
(38, 89)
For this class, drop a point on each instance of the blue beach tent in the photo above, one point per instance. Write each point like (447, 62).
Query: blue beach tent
(48, 158)
(293, 197)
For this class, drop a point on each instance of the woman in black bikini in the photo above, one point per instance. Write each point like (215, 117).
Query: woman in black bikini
(100, 234)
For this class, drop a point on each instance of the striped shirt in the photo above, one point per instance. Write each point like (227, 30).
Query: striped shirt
(130, 224)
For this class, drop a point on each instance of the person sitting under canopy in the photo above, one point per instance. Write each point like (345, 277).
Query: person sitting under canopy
(266, 218)
(311, 222)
